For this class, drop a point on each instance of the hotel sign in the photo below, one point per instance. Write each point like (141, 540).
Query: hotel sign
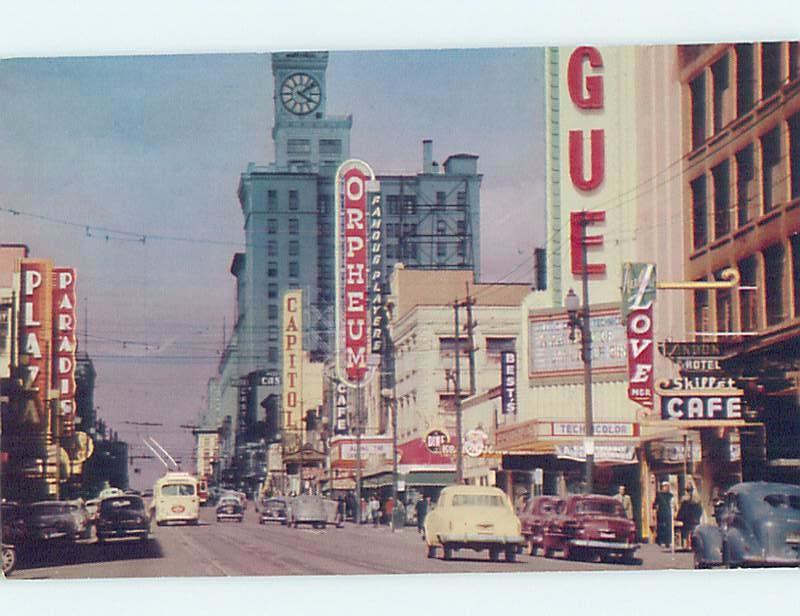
(292, 358)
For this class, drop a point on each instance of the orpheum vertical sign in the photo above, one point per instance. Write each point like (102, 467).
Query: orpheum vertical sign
(292, 358)
(354, 180)
(65, 344)
(37, 331)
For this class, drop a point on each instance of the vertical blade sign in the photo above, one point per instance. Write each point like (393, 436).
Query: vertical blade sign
(356, 267)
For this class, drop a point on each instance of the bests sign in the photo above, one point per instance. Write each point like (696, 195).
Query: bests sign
(354, 179)
(508, 381)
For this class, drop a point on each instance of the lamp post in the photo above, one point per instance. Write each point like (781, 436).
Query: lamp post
(391, 399)
(582, 323)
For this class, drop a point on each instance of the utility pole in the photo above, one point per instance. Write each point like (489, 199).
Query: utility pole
(358, 456)
(459, 461)
(469, 326)
(586, 340)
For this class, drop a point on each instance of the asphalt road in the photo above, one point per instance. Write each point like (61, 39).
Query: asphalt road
(231, 548)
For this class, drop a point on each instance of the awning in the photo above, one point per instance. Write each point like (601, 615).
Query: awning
(413, 479)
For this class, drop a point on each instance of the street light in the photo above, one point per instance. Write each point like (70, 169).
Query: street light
(391, 398)
(582, 323)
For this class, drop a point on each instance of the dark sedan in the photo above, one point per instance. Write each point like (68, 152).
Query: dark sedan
(273, 510)
(758, 525)
(122, 516)
(230, 508)
(535, 516)
(52, 520)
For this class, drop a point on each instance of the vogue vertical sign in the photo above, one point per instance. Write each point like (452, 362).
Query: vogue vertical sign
(354, 180)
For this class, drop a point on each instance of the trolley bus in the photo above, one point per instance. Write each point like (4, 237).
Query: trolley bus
(176, 499)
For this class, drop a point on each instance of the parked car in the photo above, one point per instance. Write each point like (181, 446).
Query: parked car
(8, 556)
(122, 516)
(273, 510)
(12, 534)
(474, 518)
(591, 525)
(230, 508)
(534, 517)
(308, 509)
(52, 520)
(758, 525)
(82, 518)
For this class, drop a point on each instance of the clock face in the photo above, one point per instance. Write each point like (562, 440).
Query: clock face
(300, 93)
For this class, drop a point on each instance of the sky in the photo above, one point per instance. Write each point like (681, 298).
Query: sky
(126, 168)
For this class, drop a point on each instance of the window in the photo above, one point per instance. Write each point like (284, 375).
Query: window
(697, 88)
(409, 229)
(478, 500)
(409, 250)
(495, 346)
(272, 290)
(441, 227)
(323, 204)
(390, 251)
(393, 204)
(747, 296)
(771, 77)
(441, 249)
(294, 269)
(272, 269)
(441, 197)
(177, 489)
(745, 185)
(272, 248)
(461, 197)
(294, 248)
(461, 227)
(409, 204)
(330, 147)
(392, 230)
(272, 355)
(272, 226)
(699, 213)
(460, 248)
(744, 78)
(293, 200)
(773, 284)
(325, 230)
(272, 311)
(294, 226)
(795, 242)
(794, 154)
(701, 310)
(719, 73)
(272, 200)
(272, 333)
(770, 161)
(298, 146)
(447, 345)
(722, 199)
(724, 306)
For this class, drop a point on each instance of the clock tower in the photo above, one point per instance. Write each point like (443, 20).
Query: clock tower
(305, 137)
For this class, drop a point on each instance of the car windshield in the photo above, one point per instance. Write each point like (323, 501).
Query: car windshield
(49, 509)
(178, 489)
(275, 503)
(229, 501)
(603, 507)
(784, 502)
(477, 500)
(129, 503)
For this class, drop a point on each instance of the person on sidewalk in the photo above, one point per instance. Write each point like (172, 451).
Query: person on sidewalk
(375, 510)
(690, 515)
(422, 510)
(665, 507)
(625, 501)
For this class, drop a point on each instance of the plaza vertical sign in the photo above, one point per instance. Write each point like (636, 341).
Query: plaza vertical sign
(354, 180)
(638, 294)
(36, 334)
(65, 344)
(292, 358)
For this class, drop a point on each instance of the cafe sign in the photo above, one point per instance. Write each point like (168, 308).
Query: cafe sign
(700, 398)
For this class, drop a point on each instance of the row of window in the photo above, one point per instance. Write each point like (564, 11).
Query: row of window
(327, 147)
(757, 70)
(272, 248)
(409, 250)
(393, 202)
(272, 269)
(273, 226)
(763, 299)
(753, 182)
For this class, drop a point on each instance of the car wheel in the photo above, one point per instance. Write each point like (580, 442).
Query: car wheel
(448, 552)
(9, 557)
(697, 560)
(571, 553)
(431, 551)
(511, 554)
(494, 554)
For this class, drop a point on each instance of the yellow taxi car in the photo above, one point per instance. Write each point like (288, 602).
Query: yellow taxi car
(473, 518)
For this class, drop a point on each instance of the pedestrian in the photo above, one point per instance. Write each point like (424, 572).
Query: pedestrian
(689, 514)
(388, 508)
(399, 519)
(374, 510)
(363, 511)
(625, 501)
(341, 509)
(665, 507)
(422, 511)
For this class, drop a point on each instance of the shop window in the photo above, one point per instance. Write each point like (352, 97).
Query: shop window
(745, 185)
(719, 73)
(722, 199)
(330, 147)
(697, 88)
(744, 78)
(795, 242)
(272, 290)
(441, 249)
(699, 212)
(298, 146)
(272, 269)
(294, 248)
(748, 294)
(393, 204)
(294, 226)
(770, 162)
(294, 200)
(773, 284)
(294, 269)
(724, 307)
(272, 311)
(771, 76)
(272, 226)
(794, 154)
(272, 200)
(701, 320)
(272, 355)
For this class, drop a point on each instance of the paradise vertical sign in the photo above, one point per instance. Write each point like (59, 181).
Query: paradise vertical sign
(64, 345)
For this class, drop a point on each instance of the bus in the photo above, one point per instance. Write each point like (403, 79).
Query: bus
(176, 499)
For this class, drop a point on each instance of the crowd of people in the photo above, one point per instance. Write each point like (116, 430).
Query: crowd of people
(376, 512)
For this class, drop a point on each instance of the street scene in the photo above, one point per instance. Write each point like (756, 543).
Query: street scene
(255, 321)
